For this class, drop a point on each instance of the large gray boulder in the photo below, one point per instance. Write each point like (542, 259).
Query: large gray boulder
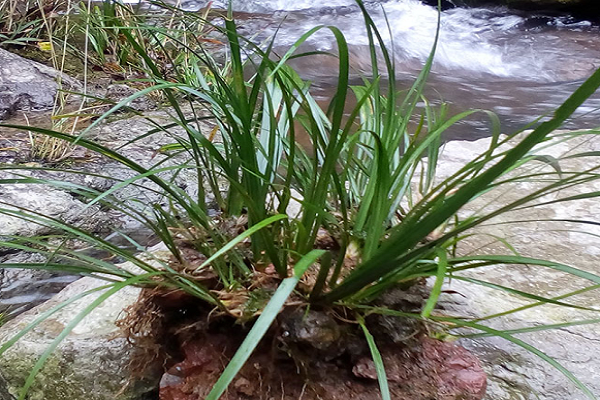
(22, 289)
(513, 372)
(28, 85)
(91, 363)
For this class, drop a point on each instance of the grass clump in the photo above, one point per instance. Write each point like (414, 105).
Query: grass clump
(373, 214)
(21, 22)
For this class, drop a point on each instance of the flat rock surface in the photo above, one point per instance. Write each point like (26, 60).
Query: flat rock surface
(513, 372)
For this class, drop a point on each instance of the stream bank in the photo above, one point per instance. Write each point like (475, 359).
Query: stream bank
(116, 134)
(512, 372)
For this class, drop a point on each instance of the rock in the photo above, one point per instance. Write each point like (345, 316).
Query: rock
(515, 373)
(446, 4)
(91, 363)
(207, 356)
(28, 85)
(119, 92)
(452, 370)
(51, 202)
(512, 369)
(97, 173)
(563, 5)
(317, 329)
(4, 394)
(570, 10)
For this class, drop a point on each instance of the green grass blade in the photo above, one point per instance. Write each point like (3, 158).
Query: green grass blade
(238, 239)
(537, 328)
(532, 349)
(520, 293)
(510, 259)
(378, 361)
(460, 323)
(407, 236)
(539, 303)
(172, 190)
(437, 287)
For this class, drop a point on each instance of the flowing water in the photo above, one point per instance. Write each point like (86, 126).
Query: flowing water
(518, 65)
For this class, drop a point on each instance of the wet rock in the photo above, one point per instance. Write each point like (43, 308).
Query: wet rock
(118, 92)
(446, 4)
(536, 5)
(317, 329)
(59, 202)
(91, 363)
(28, 85)
(49, 201)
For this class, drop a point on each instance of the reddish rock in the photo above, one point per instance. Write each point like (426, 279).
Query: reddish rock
(445, 368)
(203, 359)
(431, 369)
(460, 371)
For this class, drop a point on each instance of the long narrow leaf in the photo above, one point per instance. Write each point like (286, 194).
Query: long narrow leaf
(437, 287)
(378, 361)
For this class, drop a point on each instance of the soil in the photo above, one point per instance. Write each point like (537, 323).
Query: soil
(305, 355)
(433, 370)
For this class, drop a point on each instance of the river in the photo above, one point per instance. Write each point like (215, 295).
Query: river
(519, 65)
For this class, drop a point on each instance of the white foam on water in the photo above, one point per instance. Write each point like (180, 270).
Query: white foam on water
(475, 42)
(465, 39)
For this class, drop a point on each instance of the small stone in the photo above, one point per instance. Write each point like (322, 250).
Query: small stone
(318, 329)
(119, 92)
(365, 368)
(243, 385)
